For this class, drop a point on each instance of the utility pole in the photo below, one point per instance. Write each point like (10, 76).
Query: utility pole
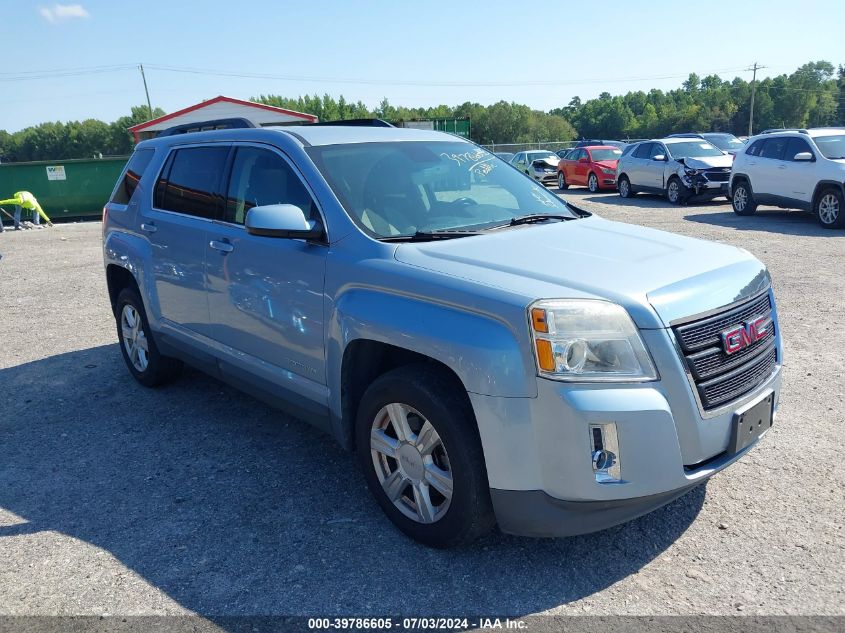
(755, 68)
(150, 106)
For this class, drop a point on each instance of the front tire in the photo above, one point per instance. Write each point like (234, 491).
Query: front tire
(418, 445)
(561, 181)
(137, 345)
(592, 183)
(830, 209)
(742, 199)
(673, 190)
(624, 187)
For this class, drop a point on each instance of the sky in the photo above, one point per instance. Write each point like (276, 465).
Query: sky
(72, 61)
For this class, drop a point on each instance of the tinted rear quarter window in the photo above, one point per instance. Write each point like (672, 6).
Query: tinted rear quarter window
(191, 180)
(754, 148)
(132, 175)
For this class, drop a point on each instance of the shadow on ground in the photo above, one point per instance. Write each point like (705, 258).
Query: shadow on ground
(783, 221)
(233, 509)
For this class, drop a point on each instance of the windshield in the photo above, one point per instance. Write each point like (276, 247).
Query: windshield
(726, 142)
(538, 155)
(605, 154)
(694, 149)
(831, 146)
(401, 188)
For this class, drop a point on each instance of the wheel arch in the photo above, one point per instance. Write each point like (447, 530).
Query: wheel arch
(118, 278)
(364, 360)
(822, 185)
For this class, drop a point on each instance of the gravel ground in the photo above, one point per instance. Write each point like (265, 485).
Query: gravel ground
(197, 499)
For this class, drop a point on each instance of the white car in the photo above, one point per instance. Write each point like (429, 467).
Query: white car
(539, 164)
(793, 169)
(678, 168)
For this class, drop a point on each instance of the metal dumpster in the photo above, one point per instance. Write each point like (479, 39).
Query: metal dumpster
(74, 188)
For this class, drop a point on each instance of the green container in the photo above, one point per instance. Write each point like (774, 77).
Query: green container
(75, 188)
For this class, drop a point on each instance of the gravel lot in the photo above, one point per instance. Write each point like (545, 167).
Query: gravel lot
(197, 499)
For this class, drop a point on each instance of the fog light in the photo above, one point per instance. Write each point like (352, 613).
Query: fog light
(604, 453)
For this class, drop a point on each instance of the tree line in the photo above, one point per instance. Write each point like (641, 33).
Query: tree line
(813, 95)
(75, 139)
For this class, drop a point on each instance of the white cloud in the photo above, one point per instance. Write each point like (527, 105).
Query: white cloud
(61, 12)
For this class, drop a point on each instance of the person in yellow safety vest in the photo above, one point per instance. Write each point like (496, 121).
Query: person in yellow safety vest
(26, 200)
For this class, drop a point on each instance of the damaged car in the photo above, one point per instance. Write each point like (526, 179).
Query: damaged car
(678, 168)
(539, 164)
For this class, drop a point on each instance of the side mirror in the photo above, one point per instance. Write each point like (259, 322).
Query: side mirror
(803, 156)
(282, 220)
(659, 157)
(583, 160)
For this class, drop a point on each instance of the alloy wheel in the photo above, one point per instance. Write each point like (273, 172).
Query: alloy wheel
(624, 188)
(674, 191)
(593, 183)
(828, 208)
(740, 198)
(411, 463)
(134, 339)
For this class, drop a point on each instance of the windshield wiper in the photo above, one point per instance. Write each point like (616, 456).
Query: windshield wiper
(427, 236)
(538, 217)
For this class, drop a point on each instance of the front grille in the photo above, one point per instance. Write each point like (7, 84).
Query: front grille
(719, 377)
(705, 332)
(718, 175)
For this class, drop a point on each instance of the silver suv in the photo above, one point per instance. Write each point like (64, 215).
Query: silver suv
(793, 169)
(678, 168)
(491, 353)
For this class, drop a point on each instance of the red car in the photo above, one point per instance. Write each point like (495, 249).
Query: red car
(593, 166)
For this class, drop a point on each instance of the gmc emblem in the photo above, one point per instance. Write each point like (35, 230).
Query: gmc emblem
(745, 335)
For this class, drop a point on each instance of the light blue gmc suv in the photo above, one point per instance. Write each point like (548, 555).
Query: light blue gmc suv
(493, 354)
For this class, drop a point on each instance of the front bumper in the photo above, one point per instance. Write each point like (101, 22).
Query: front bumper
(545, 176)
(538, 451)
(534, 513)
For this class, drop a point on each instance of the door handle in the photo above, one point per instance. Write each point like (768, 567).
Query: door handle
(149, 227)
(781, 166)
(222, 246)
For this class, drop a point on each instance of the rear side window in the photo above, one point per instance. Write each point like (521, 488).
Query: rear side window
(259, 178)
(774, 148)
(132, 175)
(190, 181)
(754, 149)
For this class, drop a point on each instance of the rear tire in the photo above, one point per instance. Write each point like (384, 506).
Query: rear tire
(742, 199)
(561, 181)
(830, 209)
(140, 352)
(418, 445)
(624, 187)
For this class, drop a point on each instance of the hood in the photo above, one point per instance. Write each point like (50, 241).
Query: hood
(706, 162)
(658, 277)
(610, 164)
(551, 161)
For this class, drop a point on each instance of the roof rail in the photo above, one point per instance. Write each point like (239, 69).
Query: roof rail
(685, 135)
(784, 129)
(202, 126)
(356, 123)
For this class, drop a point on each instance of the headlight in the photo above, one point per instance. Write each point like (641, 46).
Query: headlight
(691, 172)
(605, 170)
(588, 341)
